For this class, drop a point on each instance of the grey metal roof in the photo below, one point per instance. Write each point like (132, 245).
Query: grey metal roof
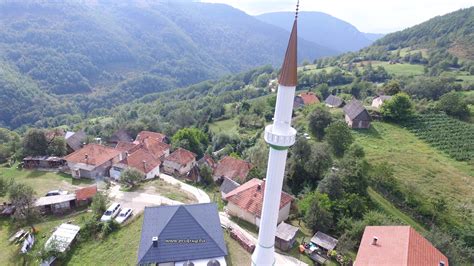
(185, 232)
(355, 109)
(44, 201)
(323, 240)
(286, 231)
(228, 185)
(333, 100)
(76, 140)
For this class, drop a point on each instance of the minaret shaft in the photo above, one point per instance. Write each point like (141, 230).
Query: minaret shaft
(280, 136)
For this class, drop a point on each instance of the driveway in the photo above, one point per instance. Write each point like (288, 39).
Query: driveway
(138, 200)
(281, 259)
(200, 194)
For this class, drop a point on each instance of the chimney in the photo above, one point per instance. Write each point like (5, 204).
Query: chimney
(374, 240)
(259, 187)
(126, 154)
(144, 165)
(86, 157)
(155, 241)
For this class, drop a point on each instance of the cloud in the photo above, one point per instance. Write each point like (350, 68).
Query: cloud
(366, 15)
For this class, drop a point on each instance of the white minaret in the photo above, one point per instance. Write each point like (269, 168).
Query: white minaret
(280, 136)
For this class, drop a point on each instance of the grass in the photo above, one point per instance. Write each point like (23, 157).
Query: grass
(401, 69)
(237, 254)
(168, 190)
(419, 166)
(10, 253)
(249, 227)
(228, 126)
(388, 208)
(119, 248)
(42, 181)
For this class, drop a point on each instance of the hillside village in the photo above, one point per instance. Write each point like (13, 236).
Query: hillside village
(380, 173)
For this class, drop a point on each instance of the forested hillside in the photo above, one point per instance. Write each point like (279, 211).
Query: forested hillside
(113, 52)
(323, 29)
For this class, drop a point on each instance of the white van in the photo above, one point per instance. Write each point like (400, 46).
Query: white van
(111, 212)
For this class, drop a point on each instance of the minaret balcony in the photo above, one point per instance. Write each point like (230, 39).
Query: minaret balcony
(279, 140)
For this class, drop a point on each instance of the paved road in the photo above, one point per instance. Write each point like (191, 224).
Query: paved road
(281, 259)
(200, 194)
(139, 200)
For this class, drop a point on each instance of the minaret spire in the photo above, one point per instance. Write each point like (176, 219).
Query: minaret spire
(289, 76)
(280, 136)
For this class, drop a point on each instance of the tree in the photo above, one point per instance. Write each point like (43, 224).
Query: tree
(339, 137)
(392, 87)
(22, 197)
(99, 204)
(5, 185)
(131, 177)
(324, 90)
(332, 186)
(453, 104)
(206, 175)
(57, 147)
(35, 143)
(398, 109)
(317, 164)
(192, 139)
(318, 217)
(319, 119)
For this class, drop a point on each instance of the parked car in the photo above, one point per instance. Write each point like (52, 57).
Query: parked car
(56, 193)
(111, 212)
(124, 215)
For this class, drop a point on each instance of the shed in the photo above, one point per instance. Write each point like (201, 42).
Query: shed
(325, 241)
(333, 101)
(84, 195)
(63, 236)
(285, 236)
(56, 204)
(356, 115)
(44, 162)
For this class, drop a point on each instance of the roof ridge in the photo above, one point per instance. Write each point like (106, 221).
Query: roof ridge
(200, 225)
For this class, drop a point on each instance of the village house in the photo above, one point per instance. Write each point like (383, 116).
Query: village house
(141, 160)
(92, 161)
(356, 115)
(333, 101)
(285, 236)
(377, 102)
(75, 140)
(397, 245)
(232, 168)
(154, 135)
(304, 99)
(208, 161)
(227, 186)
(182, 235)
(179, 163)
(159, 149)
(245, 202)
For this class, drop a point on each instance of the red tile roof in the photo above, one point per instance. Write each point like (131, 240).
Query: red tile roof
(148, 134)
(309, 98)
(142, 160)
(233, 168)
(157, 148)
(86, 193)
(181, 156)
(249, 197)
(397, 245)
(126, 146)
(207, 159)
(93, 154)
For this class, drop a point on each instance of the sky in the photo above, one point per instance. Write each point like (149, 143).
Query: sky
(375, 16)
